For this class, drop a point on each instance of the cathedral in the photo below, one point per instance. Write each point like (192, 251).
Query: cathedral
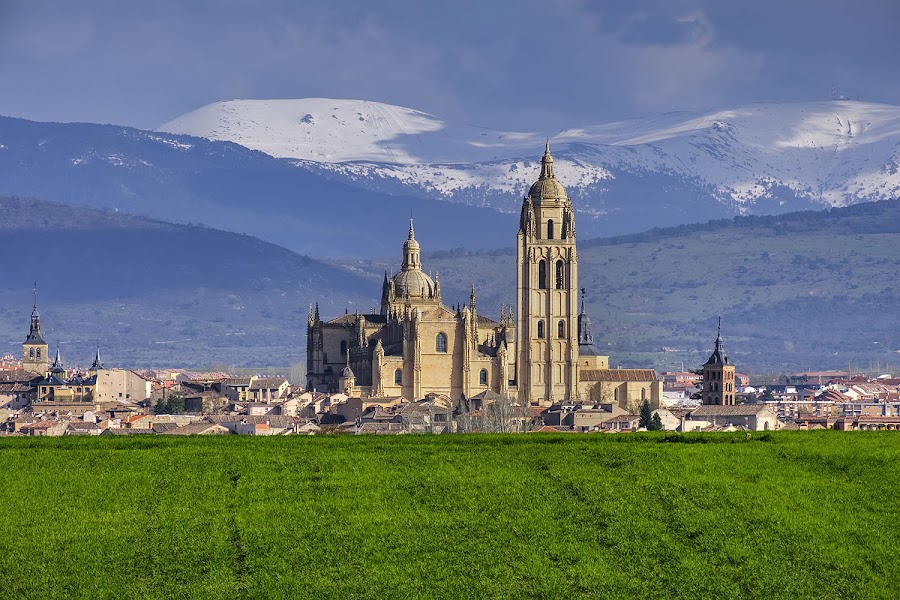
(539, 353)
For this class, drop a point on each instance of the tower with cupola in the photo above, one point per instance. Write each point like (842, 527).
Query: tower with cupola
(34, 349)
(718, 375)
(546, 287)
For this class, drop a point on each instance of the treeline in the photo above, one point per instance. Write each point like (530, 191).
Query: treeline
(866, 217)
(460, 252)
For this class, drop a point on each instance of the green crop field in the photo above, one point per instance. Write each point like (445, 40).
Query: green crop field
(784, 515)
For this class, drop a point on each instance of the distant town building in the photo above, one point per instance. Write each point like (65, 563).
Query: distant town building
(718, 376)
(34, 350)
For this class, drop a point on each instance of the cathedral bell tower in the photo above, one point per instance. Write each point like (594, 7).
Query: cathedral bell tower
(34, 349)
(547, 284)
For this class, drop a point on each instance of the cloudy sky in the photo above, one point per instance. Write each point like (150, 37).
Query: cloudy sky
(523, 64)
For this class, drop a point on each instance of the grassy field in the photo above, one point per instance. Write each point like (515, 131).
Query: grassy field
(786, 515)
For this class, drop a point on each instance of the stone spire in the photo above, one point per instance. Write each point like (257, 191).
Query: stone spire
(412, 260)
(718, 356)
(34, 332)
(585, 336)
(97, 364)
(347, 372)
(547, 163)
(57, 367)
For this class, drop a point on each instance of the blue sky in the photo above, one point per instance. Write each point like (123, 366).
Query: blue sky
(524, 64)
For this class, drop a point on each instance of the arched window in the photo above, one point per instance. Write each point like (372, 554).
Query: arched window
(31, 353)
(482, 377)
(398, 377)
(542, 275)
(643, 394)
(440, 343)
(550, 229)
(561, 329)
(39, 354)
(540, 329)
(560, 275)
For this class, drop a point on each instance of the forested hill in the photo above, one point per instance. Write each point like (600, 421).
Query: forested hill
(805, 290)
(155, 293)
(867, 217)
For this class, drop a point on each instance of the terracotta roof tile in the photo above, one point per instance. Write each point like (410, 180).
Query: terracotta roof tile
(618, 375)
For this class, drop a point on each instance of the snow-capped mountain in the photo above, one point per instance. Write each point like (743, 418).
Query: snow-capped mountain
(755, 158)
(184, 179)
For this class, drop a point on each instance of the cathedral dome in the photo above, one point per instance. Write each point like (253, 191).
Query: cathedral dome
(414, 282)
(547, 187)
(411, 280)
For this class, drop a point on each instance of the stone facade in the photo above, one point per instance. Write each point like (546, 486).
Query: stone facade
(539, 353)
(546, 289)
(121, 385)
(414, 347)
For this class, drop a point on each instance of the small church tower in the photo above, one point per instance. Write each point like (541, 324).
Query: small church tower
(97, 365)
(547, 284)
(718, 375)
(347, 380)
(58, 370)
(34, 350)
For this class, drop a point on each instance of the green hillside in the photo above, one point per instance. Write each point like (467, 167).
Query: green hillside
(810, 290)
(785, 515)
(158, 294)
(798, 291)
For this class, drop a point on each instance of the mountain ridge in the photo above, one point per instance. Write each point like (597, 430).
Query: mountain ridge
(161, 294)
(225, 185)
(747, 158)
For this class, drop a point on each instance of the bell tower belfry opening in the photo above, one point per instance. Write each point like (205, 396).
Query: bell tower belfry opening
(547, 284)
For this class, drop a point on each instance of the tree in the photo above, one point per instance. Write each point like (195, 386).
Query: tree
(646, 416)
(655, 423)
(500, 416)
(172, 405)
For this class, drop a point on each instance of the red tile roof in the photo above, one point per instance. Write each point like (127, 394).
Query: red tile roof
(618, 375)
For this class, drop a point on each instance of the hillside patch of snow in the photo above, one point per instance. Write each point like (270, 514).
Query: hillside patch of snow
(834, 152)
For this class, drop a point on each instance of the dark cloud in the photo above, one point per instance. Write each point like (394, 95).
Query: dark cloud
(655, 30)
(524, 64)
